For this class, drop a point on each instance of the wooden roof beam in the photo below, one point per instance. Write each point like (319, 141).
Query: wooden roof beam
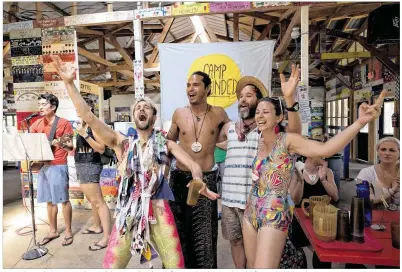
(100, 60)
(210, 32)
(287, 38)
(56, 8)
(161, 39)
(128, 59)
(236, 32)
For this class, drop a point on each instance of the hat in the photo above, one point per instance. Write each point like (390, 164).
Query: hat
(250, 80)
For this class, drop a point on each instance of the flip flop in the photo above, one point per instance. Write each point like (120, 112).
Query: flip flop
(47, 239)
(88, 231)
(65, 243)
(99, 247)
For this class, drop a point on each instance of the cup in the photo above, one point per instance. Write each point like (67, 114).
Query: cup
(343, 226)
(324, 222)
(357, 220)
(193, 191)
(395, 235)
(312, 201)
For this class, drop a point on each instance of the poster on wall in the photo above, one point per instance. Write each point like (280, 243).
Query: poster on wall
(32, 71)
(225, 63)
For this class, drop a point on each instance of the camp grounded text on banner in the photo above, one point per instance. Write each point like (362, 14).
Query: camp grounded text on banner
(225, 63)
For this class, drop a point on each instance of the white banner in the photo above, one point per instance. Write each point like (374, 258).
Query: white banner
(226, 63)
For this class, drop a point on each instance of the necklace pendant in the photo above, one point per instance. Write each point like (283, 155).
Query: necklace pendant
(198, 118)
(196, 147)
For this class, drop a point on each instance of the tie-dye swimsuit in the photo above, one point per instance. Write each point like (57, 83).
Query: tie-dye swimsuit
(267, 204)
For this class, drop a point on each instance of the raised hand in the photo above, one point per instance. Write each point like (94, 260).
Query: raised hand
(368, 113)
(82, 129)
(289, 87)
(65, 70)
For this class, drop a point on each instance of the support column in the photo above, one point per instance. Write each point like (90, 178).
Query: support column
(139, 56)
(304, 49)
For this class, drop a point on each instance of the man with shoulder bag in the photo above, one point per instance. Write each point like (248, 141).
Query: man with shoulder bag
(53, 175)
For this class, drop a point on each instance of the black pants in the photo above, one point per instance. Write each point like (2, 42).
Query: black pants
(197, 225)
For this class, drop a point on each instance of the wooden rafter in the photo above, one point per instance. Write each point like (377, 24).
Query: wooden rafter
(161, 39)
(88, 31)
(226, 26)
(56, 8)
(170, 32)
(349, 10)
(286, 14)
(236, 27)
(128, 59)
(287, 38)
(109, 31)
(266, 31)
(383, 59)
(6, 49)
(210, 32)
(100, 60)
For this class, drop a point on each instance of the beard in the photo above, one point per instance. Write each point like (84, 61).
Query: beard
(247, 114)
(145, 126)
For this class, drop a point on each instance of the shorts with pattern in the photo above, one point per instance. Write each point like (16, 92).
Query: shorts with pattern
(88, 172)
(232, 223)
(53, 184)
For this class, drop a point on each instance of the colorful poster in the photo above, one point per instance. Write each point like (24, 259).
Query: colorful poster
(27, 73)
(223, 7)
(197, 8)
(362, 95)
(25, 33)
(26, 60)
(304, 104)
(58, 35)
(26, 47)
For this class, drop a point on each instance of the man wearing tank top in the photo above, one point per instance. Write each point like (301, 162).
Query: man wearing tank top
(242, 141)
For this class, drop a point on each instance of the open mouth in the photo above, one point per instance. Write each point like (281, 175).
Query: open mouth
(243, 106)
(142, 117)
(261, 122)
(191, 95)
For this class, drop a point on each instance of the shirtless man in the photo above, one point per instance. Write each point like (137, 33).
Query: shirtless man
(197, 127)
(242, 144)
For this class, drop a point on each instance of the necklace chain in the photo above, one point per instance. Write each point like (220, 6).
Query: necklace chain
(195, 129)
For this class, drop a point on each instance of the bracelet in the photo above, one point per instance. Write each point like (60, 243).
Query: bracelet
(87, 136)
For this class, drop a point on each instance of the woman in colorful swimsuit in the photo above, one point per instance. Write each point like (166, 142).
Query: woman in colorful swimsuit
(268, 214)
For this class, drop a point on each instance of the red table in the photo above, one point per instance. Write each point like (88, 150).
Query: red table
(389, 256)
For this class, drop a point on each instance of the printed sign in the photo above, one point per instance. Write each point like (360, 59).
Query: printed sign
(139, 92)
(49, 23)
(304, 104)
(58, 35)
(270, 4)
(223, 7)
(17, 26)
(26, 60)
(27, 73)
(196, 8)
(26, 47)
(25, 33)
(362, 95)
(149, 13)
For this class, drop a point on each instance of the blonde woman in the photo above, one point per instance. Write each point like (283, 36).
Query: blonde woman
(384, 176)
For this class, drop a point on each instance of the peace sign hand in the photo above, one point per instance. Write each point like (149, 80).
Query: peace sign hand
(368, 113)
(65, 70)
(289, 87)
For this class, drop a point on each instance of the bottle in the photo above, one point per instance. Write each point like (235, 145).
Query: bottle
(363, 191)
(193, 191)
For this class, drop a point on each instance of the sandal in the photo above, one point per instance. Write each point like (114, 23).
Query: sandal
(97, 247)
(65, 243)
(47, 239)
(88, 231)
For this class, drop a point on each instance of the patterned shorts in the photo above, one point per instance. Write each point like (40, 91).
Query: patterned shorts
(232, 223)
(88, 172)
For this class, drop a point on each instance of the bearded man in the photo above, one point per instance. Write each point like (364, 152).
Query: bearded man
(144, 222)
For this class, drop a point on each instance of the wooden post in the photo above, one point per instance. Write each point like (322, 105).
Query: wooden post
(74, 9)
(235, 27)
(109, 6)
(304, 44)
(38, 11)
(304, 52)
